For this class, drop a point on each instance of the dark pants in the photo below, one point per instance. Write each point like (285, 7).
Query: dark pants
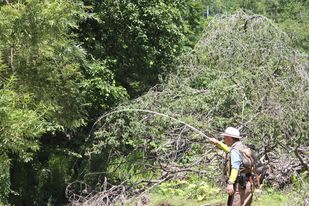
(241, 197)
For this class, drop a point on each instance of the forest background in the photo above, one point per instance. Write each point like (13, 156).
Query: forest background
(64, 64)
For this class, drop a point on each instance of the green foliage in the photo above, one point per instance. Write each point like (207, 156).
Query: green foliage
(4, 178)
(300, 181)
(21, 127)
(39, 77)
(21, 124)
(292, 16)
(41, 182)
(48, 88)
(140, 40)
(52, 179)
(198, 190)
(99, 88)
(43, 59)
(192, 191)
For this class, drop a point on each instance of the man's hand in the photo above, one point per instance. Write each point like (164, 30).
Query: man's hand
(214, 140)
(230, 189)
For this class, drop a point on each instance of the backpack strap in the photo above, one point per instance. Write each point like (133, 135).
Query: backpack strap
(255, 173)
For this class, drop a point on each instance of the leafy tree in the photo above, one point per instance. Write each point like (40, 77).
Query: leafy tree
(20, 124)
(140, 40)
(47, 90)
(36, 48)
(99, 89)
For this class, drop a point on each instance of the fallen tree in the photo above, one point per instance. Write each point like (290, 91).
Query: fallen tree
(242, 73)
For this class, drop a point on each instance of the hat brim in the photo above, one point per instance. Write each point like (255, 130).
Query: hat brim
(230, 135)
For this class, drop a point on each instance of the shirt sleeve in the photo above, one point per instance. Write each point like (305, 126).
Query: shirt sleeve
(235, 159)
(233, 176)
(223, 147)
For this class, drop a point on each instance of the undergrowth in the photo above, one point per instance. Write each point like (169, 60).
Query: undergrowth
(198, 192)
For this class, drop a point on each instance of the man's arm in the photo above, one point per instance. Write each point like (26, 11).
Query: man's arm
(220, 145)
(235, 164)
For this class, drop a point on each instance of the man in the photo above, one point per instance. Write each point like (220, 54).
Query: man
(239, 184)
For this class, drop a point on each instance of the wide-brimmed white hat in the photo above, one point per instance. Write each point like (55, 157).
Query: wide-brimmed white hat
(231, 132)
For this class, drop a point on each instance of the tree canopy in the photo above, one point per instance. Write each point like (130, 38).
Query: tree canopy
(140, 40)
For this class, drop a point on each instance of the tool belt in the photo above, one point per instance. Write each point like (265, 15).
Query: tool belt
(243, 178)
